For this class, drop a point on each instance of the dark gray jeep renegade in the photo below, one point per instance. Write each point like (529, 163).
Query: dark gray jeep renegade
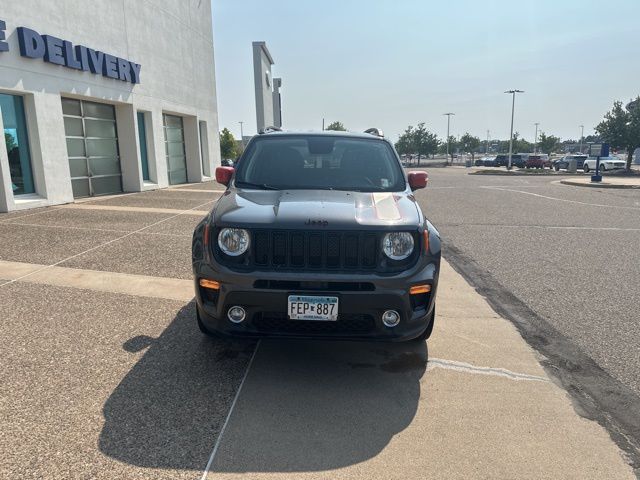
(317, 235)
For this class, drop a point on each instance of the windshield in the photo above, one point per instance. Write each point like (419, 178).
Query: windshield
(320, 162)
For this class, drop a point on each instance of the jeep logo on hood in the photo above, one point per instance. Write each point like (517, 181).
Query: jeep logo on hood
(316, 223)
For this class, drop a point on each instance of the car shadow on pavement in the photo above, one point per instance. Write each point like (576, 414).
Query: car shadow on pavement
(305, 405)
(168, 410)
(317, 405)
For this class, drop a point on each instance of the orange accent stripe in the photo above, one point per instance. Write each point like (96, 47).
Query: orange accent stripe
(210, 284)
(385, 205)
(415, 290)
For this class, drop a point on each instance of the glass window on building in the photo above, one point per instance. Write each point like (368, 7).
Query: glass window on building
(174, 148)
(92, 146)
(142, 139)
(17, 143)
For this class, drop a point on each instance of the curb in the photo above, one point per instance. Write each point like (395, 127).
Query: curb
(500, 173)
(599, 185)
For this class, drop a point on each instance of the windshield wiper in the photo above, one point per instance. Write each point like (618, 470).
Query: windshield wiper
(261, 186)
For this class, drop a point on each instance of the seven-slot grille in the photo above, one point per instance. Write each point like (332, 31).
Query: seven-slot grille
(315, 250)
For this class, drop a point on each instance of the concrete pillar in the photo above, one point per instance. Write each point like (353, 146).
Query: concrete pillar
(192, 148)
(6, 192)
(157, 154)
(46, 114)
(204, 148)
(128, 147)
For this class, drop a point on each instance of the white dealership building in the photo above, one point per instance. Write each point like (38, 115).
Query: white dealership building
(103, 97)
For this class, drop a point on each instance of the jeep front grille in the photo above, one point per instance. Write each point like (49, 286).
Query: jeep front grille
(315, 250)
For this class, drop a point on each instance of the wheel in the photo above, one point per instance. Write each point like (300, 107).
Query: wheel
(602, 169)
(557, 168)
(586, 168)
(427, 333)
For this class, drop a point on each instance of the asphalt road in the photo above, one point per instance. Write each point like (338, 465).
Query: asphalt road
(569, 254)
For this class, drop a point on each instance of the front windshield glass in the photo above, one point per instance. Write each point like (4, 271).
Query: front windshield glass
(320, 162)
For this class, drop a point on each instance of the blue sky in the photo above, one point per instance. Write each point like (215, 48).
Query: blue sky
(393, 64)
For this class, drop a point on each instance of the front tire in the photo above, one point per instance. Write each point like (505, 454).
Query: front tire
(586, 168)
(427, 332)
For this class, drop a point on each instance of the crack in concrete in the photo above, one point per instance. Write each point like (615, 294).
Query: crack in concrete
(473, 369)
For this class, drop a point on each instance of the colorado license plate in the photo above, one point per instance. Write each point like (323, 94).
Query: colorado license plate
(303, 307)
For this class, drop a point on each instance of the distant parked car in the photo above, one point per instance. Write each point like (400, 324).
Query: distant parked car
(517, 160)
(534, 161)
(226, 162)
(485, 161)
(563, 162)
(606, 164)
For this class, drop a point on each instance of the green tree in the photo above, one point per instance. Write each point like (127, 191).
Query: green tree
(469, 143)
(406, 143)
(336, 127)
(228, 145)
(620, 128)
(548, 143)
(425, 142)
(520, 145)
(453, 146)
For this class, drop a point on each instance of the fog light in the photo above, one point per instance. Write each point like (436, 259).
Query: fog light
(391, 318)
(236, 314)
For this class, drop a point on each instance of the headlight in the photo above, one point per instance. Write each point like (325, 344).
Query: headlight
(233, 241)
(397, 245)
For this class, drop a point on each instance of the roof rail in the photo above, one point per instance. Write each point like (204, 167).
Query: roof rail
(269, 129)
(374, 131)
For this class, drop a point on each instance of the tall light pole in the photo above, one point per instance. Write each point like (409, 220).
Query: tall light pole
(513, 104)
(241, 134)
(486, 147)
(535, 139)
(448, 114)
(581, 136)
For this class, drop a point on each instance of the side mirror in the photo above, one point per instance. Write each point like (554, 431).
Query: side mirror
(418, 180)
(224, 174)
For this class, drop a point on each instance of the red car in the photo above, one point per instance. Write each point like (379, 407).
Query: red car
(537, 161)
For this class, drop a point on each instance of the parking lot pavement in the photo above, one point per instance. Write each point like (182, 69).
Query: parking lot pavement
(474, 404)
(105, 375)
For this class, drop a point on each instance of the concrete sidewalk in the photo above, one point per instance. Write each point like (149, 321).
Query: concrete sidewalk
(476, 404)
(607, 182)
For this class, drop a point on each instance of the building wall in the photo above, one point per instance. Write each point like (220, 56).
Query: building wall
(173, 42)
(262, 63)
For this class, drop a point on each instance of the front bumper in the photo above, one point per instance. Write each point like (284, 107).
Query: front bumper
(362, 300)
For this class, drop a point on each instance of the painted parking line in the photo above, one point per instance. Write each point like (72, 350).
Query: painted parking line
(546, 197)
(115, 208)
(541, 227)
(92, 229)
(200, 190)
(46, 267)
(124, 283)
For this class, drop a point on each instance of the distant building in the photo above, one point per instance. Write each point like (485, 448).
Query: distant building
(98, 98)
(277, 103)
(262, 62)
(267, 89)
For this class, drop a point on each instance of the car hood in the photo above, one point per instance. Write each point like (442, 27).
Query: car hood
(317, 209)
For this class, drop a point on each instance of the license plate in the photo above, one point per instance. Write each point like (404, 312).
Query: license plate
(303, 307)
